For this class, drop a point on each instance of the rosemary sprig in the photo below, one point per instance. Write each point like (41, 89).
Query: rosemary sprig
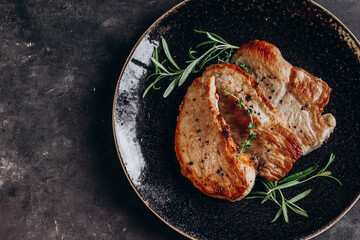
(252, 135)
(293, 180)
(175, 74)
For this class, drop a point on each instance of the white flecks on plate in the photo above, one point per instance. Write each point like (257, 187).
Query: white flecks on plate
(125, 114)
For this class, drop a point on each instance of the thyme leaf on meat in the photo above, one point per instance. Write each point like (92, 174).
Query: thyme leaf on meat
(252, 135)
(243, 66)
(293, 180)
(177, 76)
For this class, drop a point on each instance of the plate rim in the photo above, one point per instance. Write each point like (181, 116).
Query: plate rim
(113, 117)
(171, 10)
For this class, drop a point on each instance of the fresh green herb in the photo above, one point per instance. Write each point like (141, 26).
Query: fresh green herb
(295, 179)
(243, 66)
(175, 74)
(252, 135)
(249, 111)
(227, 57)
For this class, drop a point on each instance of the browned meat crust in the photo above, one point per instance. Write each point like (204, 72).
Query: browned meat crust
(297, 95)
(205, 149)
(276, 147)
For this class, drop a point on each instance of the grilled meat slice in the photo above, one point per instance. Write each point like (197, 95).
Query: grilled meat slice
(205, 149)
(296, 94)
(276, 147)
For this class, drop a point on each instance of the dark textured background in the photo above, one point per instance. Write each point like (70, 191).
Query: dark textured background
(60, 177)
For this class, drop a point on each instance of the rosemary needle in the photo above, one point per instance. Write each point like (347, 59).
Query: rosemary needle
(178, 76)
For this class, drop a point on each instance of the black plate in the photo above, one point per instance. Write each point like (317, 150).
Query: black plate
(309, 37)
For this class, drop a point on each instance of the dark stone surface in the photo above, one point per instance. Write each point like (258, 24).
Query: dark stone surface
(60, 177)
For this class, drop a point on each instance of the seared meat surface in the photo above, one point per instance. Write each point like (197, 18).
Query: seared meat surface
(276, 147)
(287, 104)
(296, 94)
(205, 149)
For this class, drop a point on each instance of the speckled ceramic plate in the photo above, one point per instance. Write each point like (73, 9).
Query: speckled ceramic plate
(309, 37)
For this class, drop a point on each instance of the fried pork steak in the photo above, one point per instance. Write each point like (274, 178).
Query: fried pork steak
(296, 94)
(287, 104)
(205, 149)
